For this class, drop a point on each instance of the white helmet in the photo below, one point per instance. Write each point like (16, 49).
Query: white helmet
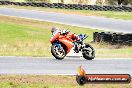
(53, 29)
(65, 31)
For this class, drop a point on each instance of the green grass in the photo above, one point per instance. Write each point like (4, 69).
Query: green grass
(116, 15)
(32, 85)
(46, 81)
(16, 39)
(107, 14)
(50, 85)
(22, 37)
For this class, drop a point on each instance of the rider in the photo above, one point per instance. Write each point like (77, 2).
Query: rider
(71, 36)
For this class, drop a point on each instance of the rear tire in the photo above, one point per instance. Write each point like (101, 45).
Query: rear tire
(55, 54)
(86, 54)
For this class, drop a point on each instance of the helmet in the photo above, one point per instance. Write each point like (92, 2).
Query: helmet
(53, 29)
(65, 31)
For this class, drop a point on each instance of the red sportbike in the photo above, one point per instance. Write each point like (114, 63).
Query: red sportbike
(62, 44)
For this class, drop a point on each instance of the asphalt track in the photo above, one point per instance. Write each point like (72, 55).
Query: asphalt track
(72, 19)
(68, 66)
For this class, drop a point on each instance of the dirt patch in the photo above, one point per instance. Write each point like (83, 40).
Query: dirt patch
(22, 21)
(38, 78)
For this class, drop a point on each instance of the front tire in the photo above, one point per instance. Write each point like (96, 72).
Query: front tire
(58, 55)
(88, 52)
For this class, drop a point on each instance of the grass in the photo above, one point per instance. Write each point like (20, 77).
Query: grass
(22, 37)
(46, 81)
(107, 14)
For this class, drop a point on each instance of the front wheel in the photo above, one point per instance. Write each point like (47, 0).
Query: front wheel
(88, 52)
(58, 51)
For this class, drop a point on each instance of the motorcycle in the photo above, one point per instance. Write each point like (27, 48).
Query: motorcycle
(61, 46)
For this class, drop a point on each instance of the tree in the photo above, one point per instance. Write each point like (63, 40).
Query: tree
(101, 2)
(124, 2)
(120, 2)
(111, 2)
(62, 1)
(37, 0)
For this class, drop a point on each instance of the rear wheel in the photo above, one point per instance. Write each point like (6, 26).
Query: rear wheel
(88, 52)
(58, 52)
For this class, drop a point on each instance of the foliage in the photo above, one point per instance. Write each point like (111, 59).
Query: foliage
(119, 2)
(37, 0)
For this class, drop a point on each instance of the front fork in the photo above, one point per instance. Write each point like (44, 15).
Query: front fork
(77, 46)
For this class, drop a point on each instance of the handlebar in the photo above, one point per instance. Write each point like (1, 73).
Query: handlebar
(85, 36)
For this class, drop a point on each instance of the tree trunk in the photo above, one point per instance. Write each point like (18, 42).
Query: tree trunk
(62, 1)
(120, 2)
